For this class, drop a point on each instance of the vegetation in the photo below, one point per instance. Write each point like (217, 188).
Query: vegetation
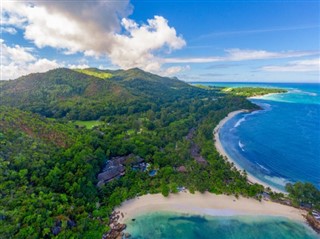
(88, 124)
(304, 194)
(252, 91)
(95, 73)
(49, 167)
(47, 174)
(64, 93)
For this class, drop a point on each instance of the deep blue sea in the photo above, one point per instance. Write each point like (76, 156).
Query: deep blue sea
(280, 143)
(181, 226)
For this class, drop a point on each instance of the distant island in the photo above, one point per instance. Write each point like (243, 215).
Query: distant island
(76, 144)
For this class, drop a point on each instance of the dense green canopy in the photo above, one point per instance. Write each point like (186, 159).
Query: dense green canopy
(49, 163)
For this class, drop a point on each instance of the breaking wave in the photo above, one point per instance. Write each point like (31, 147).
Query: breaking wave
(239, 122)
(241, 145)
(263, 168)
(277, 180)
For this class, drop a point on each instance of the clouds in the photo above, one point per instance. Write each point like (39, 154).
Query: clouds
(308, 65)
(17, 61)
(65, 25)
(95, 28)
(104, 33)
(15, 54)
(242, 55)
(9, 30)
(137, 46)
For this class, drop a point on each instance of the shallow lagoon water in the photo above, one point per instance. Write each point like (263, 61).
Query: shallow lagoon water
(278, 144)
(176, 225)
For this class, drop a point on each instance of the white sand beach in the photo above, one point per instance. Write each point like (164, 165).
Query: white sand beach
(221, 150)
(208, 203)
(263, 96)
(205, 204)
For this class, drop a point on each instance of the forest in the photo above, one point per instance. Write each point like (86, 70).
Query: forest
(304, 194)
(50, 158)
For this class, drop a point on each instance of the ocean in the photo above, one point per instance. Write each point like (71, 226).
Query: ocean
(279, 144)
(165, 225)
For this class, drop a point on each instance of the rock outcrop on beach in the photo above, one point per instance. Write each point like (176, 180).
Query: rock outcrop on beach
(116, 228)
(315, 224)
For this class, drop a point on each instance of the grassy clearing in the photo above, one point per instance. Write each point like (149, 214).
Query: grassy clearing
(88, 124)
(98, 74)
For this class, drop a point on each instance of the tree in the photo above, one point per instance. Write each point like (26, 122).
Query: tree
(165, 190)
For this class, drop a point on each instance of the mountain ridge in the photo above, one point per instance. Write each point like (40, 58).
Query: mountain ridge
(64, 92)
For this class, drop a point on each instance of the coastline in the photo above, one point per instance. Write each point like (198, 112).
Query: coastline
(221, 150)
(263, 96)
(206, 204)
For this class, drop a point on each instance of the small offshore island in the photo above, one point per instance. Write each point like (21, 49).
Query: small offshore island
(116, 135)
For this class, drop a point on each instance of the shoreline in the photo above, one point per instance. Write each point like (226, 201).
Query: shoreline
(206, 204)
(263, 96)
(222, 151)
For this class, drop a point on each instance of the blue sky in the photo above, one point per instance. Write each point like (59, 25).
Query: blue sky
(248, 41)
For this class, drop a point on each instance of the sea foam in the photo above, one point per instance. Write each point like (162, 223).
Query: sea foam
(241, 145)
(263, 168)
(277, 180)
(238, 123)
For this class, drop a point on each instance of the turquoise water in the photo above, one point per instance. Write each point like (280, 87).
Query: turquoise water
(280, 143)
(176, 225)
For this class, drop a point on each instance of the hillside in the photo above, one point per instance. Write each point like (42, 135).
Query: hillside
(89, 94)
(36, 127)
(47, 176)
(155, 87)
(49, 168)
(64, 93)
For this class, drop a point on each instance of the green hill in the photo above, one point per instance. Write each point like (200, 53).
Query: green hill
(88, 94)
(140, 82)
(49, 167)
(95, 72)
(64, 93)
(150, 85)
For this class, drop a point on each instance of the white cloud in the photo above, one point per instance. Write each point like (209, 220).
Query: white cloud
(136, 48)
(80, 66)
(171, 71)
(96, 28)
(17, 61)
(9, 30)
(49, 25)
(41, 65)
(296, 66)
(241, 55)
(10, 17)
(193, 60)
(15, 54)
